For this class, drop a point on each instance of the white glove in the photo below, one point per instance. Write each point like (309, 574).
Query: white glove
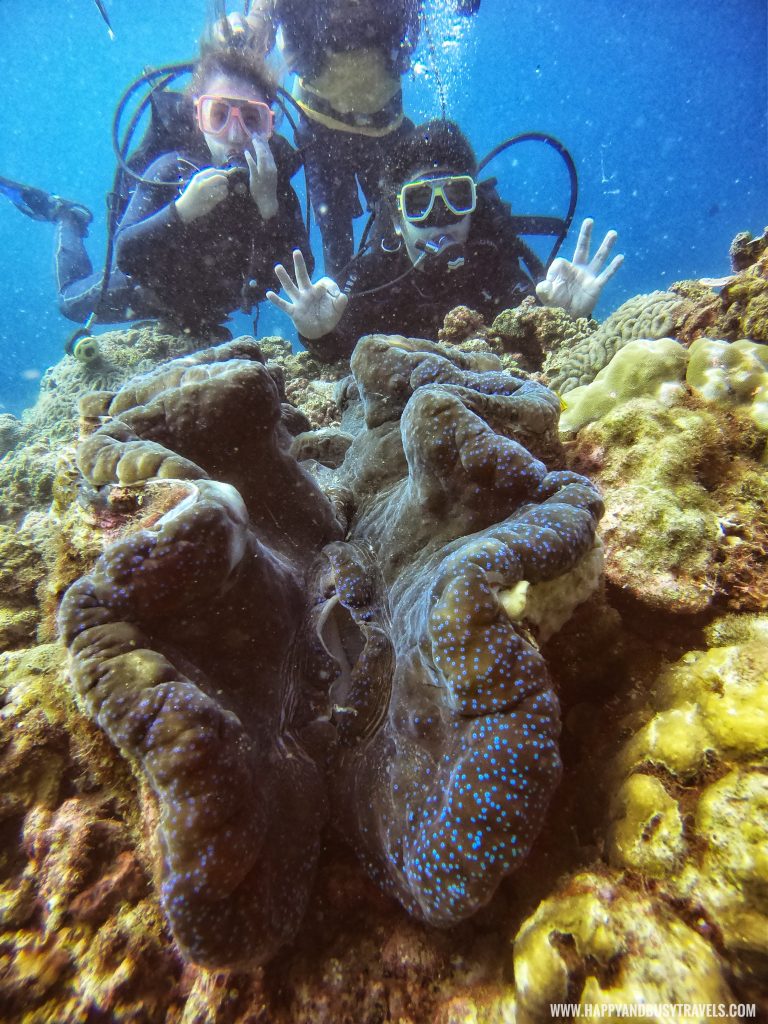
(263, 177)
(576, 286)
(203, 193)
(314, 308)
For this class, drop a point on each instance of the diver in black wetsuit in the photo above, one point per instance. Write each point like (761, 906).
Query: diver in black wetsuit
(201, 235)
(349, 57)
(441, 241)
(207, 246)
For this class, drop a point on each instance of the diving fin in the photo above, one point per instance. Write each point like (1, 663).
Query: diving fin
(40, 205)
(105, 17)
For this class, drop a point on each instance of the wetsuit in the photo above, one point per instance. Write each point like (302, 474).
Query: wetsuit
(80, 288)
(198, 273)
(349, 57)
(494, 277)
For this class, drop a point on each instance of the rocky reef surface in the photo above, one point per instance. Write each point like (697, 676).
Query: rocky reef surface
(406, 690)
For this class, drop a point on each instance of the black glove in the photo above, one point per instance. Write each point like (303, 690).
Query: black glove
(467, 6)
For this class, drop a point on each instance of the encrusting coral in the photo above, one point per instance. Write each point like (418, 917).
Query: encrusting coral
(677, 439)
(692, 806)
(245, 585)
(540, 335)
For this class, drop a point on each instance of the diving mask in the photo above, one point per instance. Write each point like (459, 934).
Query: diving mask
(216, 113)
(416, 199)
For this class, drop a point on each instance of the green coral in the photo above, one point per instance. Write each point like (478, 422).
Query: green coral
(651, 316)
(661, 526)
(732, 374)
(652, 369)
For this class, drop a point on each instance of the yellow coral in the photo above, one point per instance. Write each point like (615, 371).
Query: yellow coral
(653, 369)
(647, 833)
(733, 374)
(627, 947)
(711, 717)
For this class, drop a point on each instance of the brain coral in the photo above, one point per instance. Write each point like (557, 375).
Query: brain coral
(256, 663)
(651, 316)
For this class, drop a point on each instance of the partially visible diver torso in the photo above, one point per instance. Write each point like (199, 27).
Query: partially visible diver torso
(414, 302)
(349, 56)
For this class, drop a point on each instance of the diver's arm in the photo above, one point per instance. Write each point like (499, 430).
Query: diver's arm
(151, 230)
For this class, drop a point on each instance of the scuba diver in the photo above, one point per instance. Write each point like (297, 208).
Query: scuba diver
(175, 258)
(440, 240)
(349, 57)
(208, 220)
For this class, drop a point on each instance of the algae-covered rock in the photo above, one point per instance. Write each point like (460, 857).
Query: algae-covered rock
(661, 524)
(79, 931)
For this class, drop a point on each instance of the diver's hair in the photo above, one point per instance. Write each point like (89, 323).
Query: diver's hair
(435, 144)
(237, 61)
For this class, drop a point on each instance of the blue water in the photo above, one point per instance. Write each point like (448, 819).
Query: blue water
(663, 106)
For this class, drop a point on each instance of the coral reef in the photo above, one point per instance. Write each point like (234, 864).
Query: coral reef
(461, 323)
(739, 307)
(599, 941)
(80, 934)
(31, 445)
(731, 374)
(650, 317)
(539, 336)
(440, 431)
(309, 384)
(691, 806)
(21, 572)
(746, 250)
(676, 437)
(684, 498)
(652, 369)
(315, 636)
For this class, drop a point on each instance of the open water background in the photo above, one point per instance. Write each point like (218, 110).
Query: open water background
(662, 105)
